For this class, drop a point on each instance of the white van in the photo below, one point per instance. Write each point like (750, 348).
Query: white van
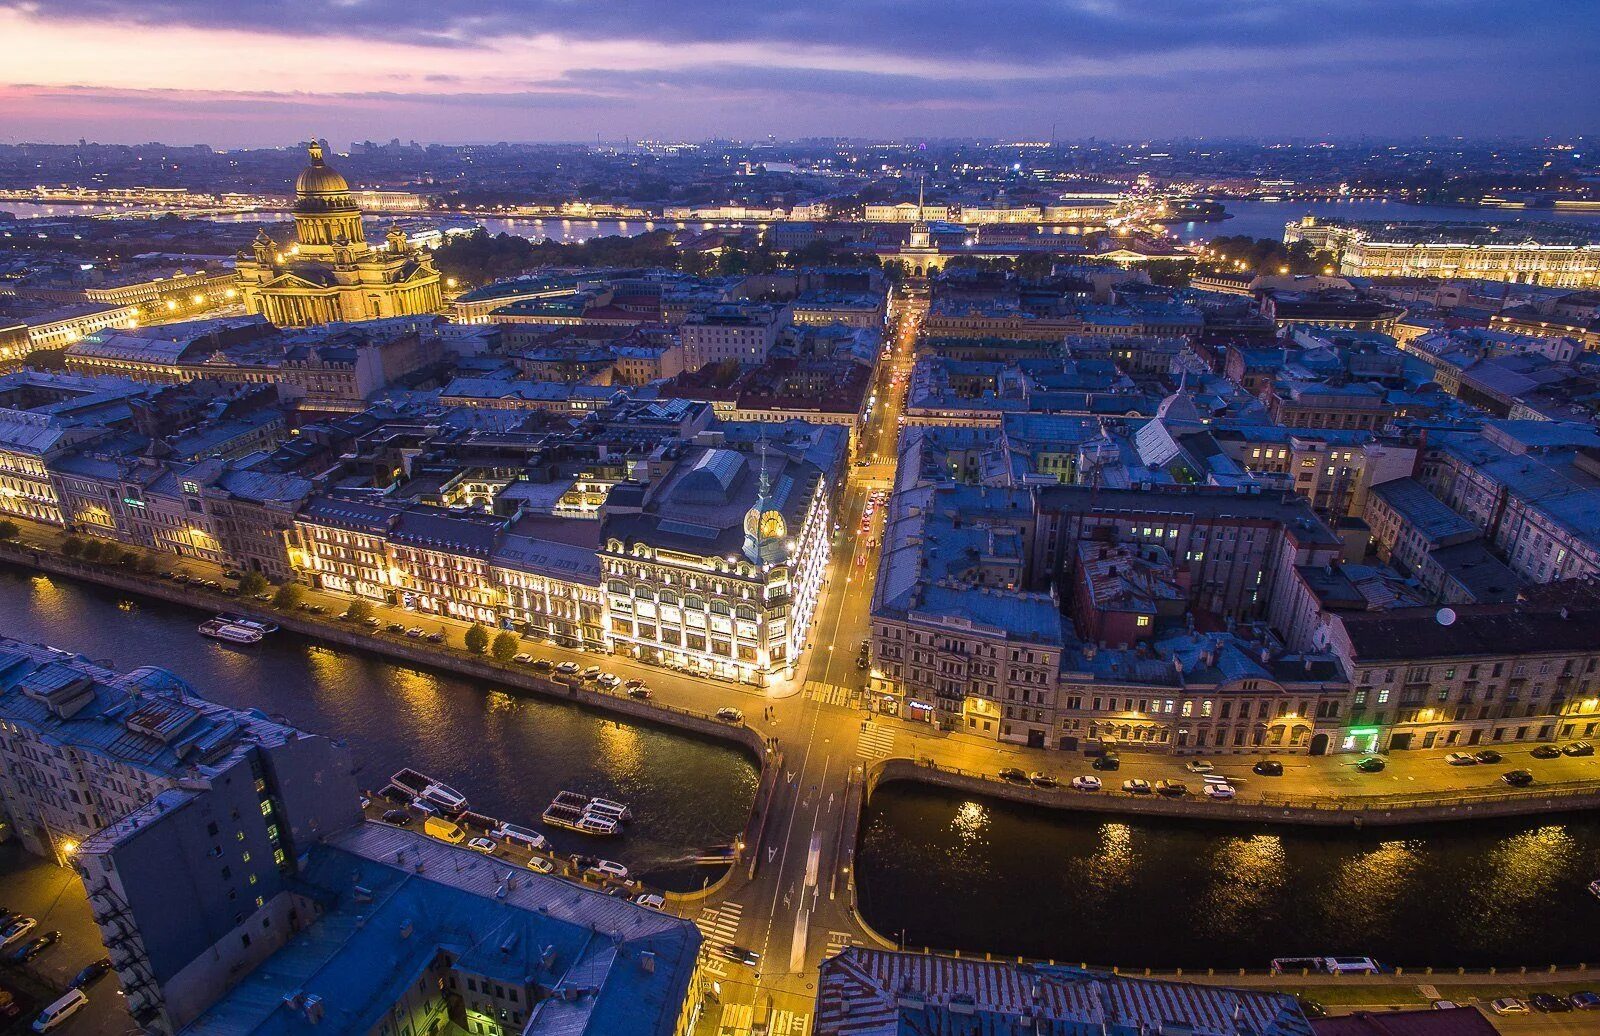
(58, 1012)
(444, 830)
(529, 840)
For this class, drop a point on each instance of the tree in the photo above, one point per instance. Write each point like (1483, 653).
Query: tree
(72, 546)
(130, 558)
(477, 638)
(252, 583)
(9, 530)
(359, 610)
(289, 595)
(505, 646)
(92, 550)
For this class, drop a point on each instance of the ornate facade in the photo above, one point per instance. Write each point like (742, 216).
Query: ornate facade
(331, 273)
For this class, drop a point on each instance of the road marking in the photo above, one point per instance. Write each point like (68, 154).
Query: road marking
(789, 1023)
(735, 1020)
(838, 942)
(829, 693)
(875, 742)
(720, 924)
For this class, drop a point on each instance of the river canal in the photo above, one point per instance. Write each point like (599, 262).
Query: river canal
(957, 873)
(508, 754)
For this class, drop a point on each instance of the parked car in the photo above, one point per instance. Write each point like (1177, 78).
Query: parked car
(567, 669)
(415, 632)
(1173, 788)
(1577, 748)
(1549, 1003)
(1198, 766)
(522, 658)
(1545, 752)
(436, 637)
(1371, 764)
(542, 665)
(610, 681)
(1517, 778)
(483, 845)
(397, 817)
(1585, 1001)
(1445, 1005)
(729, 714)
(1220, 791)
(1012, 774)
(1136, 786)
(540, 865)
(592, 673)
(1087, 782)
(1268, 768)
(35, 946)
(91, 973)
(1311, 1008)
(1508, 1005)
(17, 930)
(652, 900)
(394, 627)
(1460, 759)
(1041, 780)
(641, 691)
(1109, 761)
(1487, 755)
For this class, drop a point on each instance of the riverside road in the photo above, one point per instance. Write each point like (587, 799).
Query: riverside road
(790, 900)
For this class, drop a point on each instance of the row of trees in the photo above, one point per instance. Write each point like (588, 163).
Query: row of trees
(482, 258)
(1266, 255)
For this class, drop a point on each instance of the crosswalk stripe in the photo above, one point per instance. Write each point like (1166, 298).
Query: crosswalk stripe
(789, 1023)
(720, 924)
(875, 742)
(832, 693)
(838, 942)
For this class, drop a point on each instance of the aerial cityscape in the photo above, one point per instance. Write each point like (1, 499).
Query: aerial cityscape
(536, 520)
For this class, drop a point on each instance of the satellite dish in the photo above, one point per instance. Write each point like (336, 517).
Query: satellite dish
(1446, 616)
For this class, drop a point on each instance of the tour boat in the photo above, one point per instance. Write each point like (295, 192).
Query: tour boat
(219, 630)
(608, 808)
(571, 811)
(248, 623)
(445, 797)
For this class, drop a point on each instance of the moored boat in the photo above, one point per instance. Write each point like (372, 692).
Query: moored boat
(233, 634)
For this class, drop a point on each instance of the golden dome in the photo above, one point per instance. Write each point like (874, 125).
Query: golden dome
(318, 180)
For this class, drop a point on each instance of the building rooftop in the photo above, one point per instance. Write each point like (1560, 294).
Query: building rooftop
(395, 901)
(865, 992)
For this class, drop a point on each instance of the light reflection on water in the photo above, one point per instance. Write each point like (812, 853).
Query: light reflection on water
(1150, 892)
(510, 755)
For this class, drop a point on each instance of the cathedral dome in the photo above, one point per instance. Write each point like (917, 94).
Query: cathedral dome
(320, 182)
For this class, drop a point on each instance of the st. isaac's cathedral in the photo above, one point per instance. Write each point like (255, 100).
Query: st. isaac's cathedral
(332, 274)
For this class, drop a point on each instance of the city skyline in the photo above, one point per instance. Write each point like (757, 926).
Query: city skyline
(260, 74)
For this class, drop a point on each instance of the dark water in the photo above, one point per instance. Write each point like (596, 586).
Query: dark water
(957, 873)
(509, 755)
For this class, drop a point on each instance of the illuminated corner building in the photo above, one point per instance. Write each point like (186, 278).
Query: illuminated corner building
(331, 274)
(716, 564)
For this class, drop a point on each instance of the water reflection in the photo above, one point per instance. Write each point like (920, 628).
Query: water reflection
(510, 755)
(1247, 883)
(990, 876)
